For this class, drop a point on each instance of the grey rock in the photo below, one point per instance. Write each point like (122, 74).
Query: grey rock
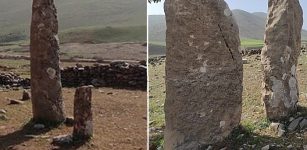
(39, 126)
(62, 139)
(281, 132)
(267, 147)
(15, 102)
(305, 147)
(294, 124)
(3, 117)
(279, 58)
(290, 147)
(209, 148)
(2, 111)
(303, 124)
(203, 62)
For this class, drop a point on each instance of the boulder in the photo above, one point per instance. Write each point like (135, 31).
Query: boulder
(203, 74)
(279, 58)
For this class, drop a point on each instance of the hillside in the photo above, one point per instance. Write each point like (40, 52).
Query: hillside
(251, 25)
(15, 16)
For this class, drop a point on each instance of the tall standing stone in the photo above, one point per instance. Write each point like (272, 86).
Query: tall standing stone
(45, 71)
(83, 123)
(203, 73)
(279, 58)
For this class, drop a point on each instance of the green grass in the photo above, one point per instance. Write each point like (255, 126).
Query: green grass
(104, 34)
(247, 43)
(96, 34)
(251, 43)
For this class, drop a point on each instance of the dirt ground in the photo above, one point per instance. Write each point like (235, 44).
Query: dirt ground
(119, 122)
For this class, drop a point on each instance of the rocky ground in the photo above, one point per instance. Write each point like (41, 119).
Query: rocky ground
(256, 132)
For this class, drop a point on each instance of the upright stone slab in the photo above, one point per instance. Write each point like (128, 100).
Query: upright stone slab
(279, 58)
(83, 123)
(45, 71)
(203, 73)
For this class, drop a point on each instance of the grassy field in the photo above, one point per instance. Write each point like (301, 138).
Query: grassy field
(104, 34)
(254, 122)
(251, 43)
(157, 48)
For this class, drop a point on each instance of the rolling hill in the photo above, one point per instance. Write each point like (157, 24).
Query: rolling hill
(85, 16)
(251, 25)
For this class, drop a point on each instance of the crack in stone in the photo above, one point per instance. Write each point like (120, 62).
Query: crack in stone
(229, 49)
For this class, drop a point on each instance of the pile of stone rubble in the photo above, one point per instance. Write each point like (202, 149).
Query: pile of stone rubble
(294, 124)
(11, 79)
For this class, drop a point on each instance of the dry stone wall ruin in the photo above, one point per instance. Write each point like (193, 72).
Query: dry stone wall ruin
(203, 73)
(116, 74)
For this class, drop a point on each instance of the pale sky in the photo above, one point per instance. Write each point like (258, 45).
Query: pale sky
(247, 5)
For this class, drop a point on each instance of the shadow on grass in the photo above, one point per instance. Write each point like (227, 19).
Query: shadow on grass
(25, 133)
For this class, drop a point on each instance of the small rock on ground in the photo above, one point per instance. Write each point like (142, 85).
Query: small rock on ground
(26, 95)
(2, 111)
(267, 147)
(69, 121)
(294, 124)
(14, 101)
(290, 147)
(39, 126)
(62, 139)
(3, 117)
(303, 124)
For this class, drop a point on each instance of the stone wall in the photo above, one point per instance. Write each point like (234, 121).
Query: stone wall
(115, 74)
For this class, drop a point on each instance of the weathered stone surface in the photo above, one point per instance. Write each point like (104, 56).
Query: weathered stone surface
(303, 124)
(203, 73)
(25, 95)
(279, 58)
(62, 139)
(83, 120)
(45, 71)
(294, 124)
